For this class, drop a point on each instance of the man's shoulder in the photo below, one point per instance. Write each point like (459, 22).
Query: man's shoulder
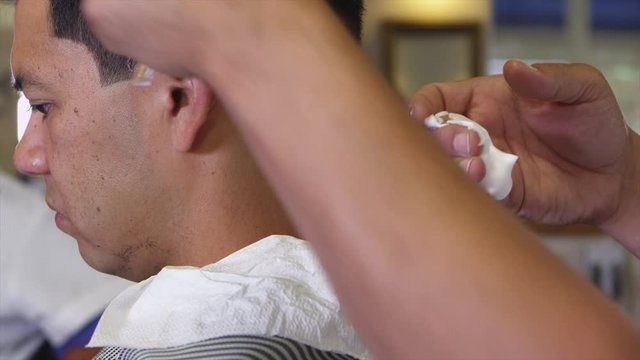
(238, 347)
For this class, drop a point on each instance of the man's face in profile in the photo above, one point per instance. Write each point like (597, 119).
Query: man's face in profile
(89, 143)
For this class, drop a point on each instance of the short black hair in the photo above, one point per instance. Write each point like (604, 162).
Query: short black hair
(350, 12)
(68, 23)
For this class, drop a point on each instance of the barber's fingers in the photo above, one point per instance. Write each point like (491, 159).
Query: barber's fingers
(472, 166)
(561, 83)
(463, 145)
(432, 98)
(458, 141)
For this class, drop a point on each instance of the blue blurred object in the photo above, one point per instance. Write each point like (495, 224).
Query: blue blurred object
(615, 14)
(530, 12)
(80, 339)
(605, 14)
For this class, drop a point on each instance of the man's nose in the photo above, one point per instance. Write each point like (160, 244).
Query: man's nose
(30, 156)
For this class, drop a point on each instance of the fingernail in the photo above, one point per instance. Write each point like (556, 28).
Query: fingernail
(411, 111)
(526, 64)
(461, 144)
(530, 66)
(465, 164)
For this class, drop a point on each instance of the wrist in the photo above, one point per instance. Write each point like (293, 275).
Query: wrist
(624, 225)
(261, 40)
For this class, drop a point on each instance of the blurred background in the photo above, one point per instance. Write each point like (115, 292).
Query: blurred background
(419, 41)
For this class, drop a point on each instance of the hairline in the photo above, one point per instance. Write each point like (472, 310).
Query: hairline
(352, 25)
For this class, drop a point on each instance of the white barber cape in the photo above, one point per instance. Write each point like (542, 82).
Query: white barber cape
(274, 287)
(47, 292)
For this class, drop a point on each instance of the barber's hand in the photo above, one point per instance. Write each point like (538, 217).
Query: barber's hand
(164, 34)
(563, 121)
(173, 35)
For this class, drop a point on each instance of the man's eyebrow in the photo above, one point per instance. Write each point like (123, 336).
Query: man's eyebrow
(16, 84)
(20, 81)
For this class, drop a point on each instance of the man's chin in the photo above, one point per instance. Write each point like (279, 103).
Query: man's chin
(108, 261)
(92, 255)
(64, 224)
(104, 262)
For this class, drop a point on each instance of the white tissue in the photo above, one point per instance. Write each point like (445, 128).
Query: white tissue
(498, 164)
(274, 287)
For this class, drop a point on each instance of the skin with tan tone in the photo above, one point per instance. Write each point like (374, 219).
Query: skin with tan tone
(142, 178)
(80, 354)
(425, 264)
(579, 162)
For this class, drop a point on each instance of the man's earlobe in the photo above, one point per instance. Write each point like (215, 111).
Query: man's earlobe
(191, 103)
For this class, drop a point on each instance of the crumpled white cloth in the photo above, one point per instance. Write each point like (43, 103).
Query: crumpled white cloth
(272, 287)
(498, 164)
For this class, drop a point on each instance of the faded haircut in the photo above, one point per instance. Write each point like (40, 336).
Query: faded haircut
(68, 23)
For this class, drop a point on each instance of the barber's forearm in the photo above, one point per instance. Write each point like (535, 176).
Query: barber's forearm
(625, 226)
(409, 243)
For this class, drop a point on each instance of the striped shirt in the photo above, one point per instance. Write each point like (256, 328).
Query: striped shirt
(242, 347)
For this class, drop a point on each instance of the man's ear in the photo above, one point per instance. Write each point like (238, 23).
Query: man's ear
(189, 105)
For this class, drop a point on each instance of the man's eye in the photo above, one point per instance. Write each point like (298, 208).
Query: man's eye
(41, 108)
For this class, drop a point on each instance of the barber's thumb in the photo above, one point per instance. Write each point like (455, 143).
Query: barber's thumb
(561, 83)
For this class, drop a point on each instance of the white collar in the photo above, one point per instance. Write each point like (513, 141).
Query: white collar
(274, 287)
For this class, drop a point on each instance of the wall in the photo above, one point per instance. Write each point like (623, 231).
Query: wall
(7, 96)
(426, 11)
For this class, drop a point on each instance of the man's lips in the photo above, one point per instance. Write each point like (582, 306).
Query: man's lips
(61, 220)
(51, 206)
(63, 223)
